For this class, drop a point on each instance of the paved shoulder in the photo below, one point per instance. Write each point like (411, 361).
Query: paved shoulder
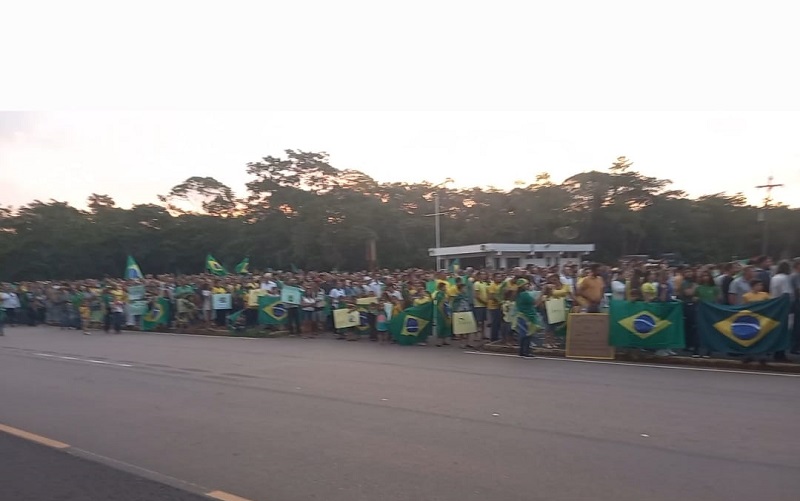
(33, 472)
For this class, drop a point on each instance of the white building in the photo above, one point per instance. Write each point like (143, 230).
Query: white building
(506, 256)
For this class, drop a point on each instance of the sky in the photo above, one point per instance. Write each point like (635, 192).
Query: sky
(131, 101)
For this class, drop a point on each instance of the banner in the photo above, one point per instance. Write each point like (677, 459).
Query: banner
(344, 318)
(158, 315)
(137, 308)
(646, 325)
(291, 295)
(271, 311)
(135, 293)
(221, 301)
(748, 329)
(464, 323)
(252, 297)
(362, 301)
(556, 310)
(413, 325)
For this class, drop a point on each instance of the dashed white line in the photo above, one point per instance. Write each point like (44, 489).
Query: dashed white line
(64, 357)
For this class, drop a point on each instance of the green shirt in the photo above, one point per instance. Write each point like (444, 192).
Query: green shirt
(707, 293)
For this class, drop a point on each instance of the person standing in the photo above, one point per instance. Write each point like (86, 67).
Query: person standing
(740, 286)
(480, 301)
(526, 308)
(493, 303)
(590, 290)
(781, 285)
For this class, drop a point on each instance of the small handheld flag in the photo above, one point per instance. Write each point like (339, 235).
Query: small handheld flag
(242, 268)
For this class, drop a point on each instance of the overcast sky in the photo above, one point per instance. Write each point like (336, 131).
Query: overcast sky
(703, 93)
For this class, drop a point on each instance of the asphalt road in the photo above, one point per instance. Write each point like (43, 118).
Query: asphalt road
(293, 419)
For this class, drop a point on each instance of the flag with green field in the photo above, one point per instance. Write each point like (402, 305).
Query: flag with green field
(638, 324)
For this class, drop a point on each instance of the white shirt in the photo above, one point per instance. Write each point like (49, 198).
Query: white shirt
(335, 294)
(618, 290)
(779, 285)
(5, 300)
(268, 286)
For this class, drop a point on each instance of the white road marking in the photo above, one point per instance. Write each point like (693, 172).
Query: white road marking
(103, 362)
(635, 364)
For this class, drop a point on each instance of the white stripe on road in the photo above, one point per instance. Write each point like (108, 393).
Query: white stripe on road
(62, 357)
(635, 364)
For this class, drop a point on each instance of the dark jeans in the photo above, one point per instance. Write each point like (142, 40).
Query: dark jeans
(690, 327)
(11, 316)
(293, 320)
(113, 320)
(524, 346)
(496, 318)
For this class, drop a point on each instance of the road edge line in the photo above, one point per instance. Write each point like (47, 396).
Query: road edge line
(32, 437)
(225, 496)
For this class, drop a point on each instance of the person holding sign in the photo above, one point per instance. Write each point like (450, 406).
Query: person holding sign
(555, 295)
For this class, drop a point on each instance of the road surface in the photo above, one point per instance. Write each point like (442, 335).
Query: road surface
(293, 419)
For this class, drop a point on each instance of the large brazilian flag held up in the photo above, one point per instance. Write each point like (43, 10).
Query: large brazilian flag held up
(747, 329)
(213, 266)
(158, 315)
(271, 311)
(646, 325)
(412, 325)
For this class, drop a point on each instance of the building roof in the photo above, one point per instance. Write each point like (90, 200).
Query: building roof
(510, 248)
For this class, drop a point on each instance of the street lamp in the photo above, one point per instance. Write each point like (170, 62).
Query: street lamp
(436, 214)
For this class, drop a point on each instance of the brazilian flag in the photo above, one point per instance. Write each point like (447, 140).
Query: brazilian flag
(646, 325)
(243, 267)
(158, 315)
(213, 266)
(271, 311)
(412, 325)
(748, 329)
(132, 270)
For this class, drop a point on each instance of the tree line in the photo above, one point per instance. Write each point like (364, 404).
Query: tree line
(301, 211)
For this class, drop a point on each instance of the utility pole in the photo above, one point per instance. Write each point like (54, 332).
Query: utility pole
(436, 214)
(763, 215)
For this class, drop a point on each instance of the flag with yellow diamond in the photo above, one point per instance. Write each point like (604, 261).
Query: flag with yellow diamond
(158, 314)
(271, 311)
(646, 325)
(213, 266)
(412, 325)
(747, 329)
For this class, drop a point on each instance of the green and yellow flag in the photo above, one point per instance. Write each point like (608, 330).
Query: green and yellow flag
(243, 267)
(132, 270)
(158, 315)
(271, 311)
(748, 329)
(413, 325)
(213, 266)
(646, 325)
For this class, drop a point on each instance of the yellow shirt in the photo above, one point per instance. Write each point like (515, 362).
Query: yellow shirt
(219, 290)
(561, 293)
(492, 290)
(754, 297)
(480, 293)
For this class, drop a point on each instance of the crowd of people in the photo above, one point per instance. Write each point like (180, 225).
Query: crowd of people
(493, 296)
